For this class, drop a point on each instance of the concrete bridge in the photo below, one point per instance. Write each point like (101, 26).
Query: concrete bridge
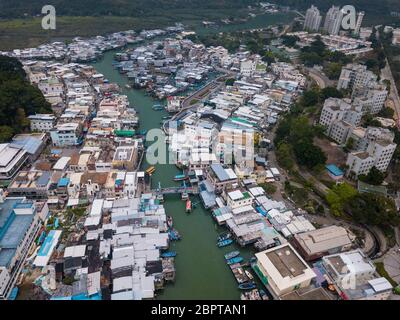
(176, 190)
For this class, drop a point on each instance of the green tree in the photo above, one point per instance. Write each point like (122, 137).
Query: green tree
(339, 196)
(308, 154)
(330, 92)
(373, 209)
(374, 177)
(333, 70)
(290, 41)
(284, 156)
(6, 133)
(269, 188)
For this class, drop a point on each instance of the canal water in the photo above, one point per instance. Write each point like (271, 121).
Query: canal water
(201, 271)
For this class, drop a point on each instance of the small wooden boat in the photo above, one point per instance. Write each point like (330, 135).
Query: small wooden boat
(181, 177)
(263, 295)
(150, 170)
(224, 243)
(188, 206)
(234, 260)
(224, 236)
(248, 274)
(185, 196)
(168, 254)
(174, 235)
(158, 107)
(160, 198)
(247, 286)
(231, 255)
(170, 222)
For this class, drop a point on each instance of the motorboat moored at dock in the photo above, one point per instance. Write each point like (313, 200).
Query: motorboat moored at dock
(231, 255)
(181, 177)
(224, 243)
(188, 206)
(234, 260)
(247, 286)
(168, 254)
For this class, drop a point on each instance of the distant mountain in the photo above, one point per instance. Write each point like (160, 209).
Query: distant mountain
(19, 8)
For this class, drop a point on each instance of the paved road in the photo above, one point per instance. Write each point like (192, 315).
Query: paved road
(394, 95)
(322, 80)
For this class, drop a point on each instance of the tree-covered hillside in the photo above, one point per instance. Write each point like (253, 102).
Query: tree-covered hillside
(134, 8)
(18, 99)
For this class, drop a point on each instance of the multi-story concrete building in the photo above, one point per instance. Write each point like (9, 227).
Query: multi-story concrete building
(378, 154)
(338, 117)
(66, 134)
(12, 158)
(370, 98)
(19, 226)
(355, 76)
(283, 270)
(327, 240)
(42, 122)
(355, 276)
(248, 67)
(313, 19)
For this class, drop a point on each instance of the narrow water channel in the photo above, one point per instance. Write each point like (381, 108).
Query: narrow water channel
(201, 272)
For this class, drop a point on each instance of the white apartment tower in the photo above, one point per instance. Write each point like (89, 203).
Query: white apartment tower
(360, 18)
(333, 20)
(313, 19)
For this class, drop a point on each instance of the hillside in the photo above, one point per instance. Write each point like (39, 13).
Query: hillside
(134, 8)
(18, 99)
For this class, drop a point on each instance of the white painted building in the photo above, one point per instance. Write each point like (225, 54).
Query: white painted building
(285, 269)
(66, 134)
(42, 122)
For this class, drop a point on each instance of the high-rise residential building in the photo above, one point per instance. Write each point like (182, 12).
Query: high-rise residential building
(313, 19)
(360, 18)
(333, 20)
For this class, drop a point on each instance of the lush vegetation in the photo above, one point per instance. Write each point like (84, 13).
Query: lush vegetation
(318, 54)
(294, 136)
(295, 133)
(137, 8)
(339, 196)
(373, 209)
(374, 177)
(368, 208)
(18, 99)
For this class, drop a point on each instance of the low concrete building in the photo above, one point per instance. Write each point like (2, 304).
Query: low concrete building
(317, 243)
(284, 269)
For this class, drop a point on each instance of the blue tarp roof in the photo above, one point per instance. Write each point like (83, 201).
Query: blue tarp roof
(334, 170)
(63, 182)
